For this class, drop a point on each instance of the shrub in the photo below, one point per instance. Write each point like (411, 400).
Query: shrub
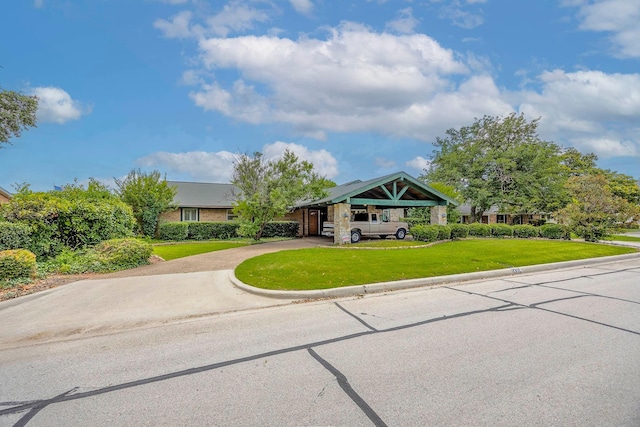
(592, 232)
(212, 230)
(119, 254)
(501, 230)
(17, 264)
(555, 231)
(459, 231)
(412, 222)
(538, 222)
(479, 230)
(425, 233)
(173, 231)
(14, 236)
(281, 229)
(444, 232)
(525, 231)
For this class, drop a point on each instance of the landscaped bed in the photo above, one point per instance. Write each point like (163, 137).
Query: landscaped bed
(324, 268)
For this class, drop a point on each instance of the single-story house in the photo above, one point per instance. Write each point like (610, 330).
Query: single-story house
(495, 216)
(5, 196)
(388, 195)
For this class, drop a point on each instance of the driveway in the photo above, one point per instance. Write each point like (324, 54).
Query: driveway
(171, 291)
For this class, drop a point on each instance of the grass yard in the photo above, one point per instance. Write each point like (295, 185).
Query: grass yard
(180, 250)
(324, 268)
(621, 238)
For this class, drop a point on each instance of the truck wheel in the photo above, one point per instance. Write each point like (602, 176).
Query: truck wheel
(355, 236)
(401, 233)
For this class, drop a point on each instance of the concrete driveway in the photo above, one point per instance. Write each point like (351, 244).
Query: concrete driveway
(171, 291)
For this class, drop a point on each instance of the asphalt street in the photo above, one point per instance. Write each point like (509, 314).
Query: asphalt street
(555, 348)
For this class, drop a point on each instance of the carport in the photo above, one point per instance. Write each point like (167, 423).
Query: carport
(388, 195)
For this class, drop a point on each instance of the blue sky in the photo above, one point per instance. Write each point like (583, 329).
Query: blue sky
(360, 88)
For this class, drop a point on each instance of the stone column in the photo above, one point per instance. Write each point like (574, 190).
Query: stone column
(438, 215)
(342, 223)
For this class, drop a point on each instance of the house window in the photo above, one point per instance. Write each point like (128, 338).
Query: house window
(189, 214)
(386, 215)
(501, 219)
(231, 216)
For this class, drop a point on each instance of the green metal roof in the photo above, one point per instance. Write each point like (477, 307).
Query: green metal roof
(398, 189)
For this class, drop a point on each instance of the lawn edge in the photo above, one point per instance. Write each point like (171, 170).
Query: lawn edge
(347, 291)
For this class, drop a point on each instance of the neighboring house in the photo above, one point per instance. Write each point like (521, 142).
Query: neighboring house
(389, 196)
(201, 201)
(5, 196)
(495, 216)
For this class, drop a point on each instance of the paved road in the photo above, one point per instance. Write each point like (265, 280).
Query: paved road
(558, 348)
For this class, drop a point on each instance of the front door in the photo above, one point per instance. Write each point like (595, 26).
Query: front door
(314, 219)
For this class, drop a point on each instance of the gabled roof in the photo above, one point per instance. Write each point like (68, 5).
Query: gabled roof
(398, 189)
(203, 194)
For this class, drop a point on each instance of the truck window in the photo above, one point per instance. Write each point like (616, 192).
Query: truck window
(374, 217)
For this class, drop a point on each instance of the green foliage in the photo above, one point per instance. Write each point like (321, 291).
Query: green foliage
(444, 232)
(14, 235)
(525, 231)
(500, 161)
(281, 229)
(149, 195)
(109, 255)
(173, 231)
(74, 217)
(17, 113)
(425, 233)
(555, 231)
(417, 216)
(501, 230)
(595, 211)
(269, 189)
(17, 264)
(459, 231)
(213, 230)
(479, 230)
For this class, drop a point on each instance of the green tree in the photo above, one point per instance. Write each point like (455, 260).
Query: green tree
(149, 195)
(268, 189)
(500, 161)
(17, 113)
(594, 209)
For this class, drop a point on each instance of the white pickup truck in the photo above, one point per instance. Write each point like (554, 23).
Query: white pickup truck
(371, 224)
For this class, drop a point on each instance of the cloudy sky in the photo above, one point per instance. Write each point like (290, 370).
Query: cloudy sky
(361, 88)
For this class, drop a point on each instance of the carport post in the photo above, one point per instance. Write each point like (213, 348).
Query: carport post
(342, 223)
(438, 215)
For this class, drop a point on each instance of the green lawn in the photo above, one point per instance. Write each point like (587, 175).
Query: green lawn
(323, 268)
(180, 250)
(621, 238)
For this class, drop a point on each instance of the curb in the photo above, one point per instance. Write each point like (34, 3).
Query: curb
(348, 291)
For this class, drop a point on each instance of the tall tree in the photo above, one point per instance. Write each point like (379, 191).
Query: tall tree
(17, 113)
(149, 195)
(500, 161)
(270, 188)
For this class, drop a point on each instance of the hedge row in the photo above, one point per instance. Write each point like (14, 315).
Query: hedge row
(431, 233)
(220, 230)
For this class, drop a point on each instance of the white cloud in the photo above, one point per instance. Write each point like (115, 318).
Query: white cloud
(177, 27)
(235, 17)
(619, 18)
(355, 80)
(302, 6)
(460, 16)
(419, 163)
(38, 4)
(323, 162)
(56, 105)
(201, 165)
(173, 1)
(383, 163)
(405, 22)
(592, 110)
